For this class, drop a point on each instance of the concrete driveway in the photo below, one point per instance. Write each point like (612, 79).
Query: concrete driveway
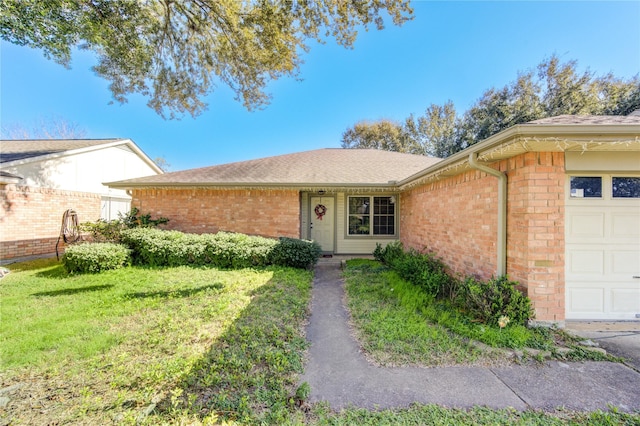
(618, 338)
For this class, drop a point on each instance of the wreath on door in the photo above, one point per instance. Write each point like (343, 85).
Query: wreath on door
(320, 211)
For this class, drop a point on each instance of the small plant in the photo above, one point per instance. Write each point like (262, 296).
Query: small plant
(491, 300)
(503, 321)
(302, 393)
(95, 257)
(296, 253)
(389, 254)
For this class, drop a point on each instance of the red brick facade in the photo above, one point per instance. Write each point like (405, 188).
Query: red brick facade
(31, 218)
(456, 218)
(270, 213)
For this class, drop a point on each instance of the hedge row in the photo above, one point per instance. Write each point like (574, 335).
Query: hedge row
(155, 247)
(489, 301)
(95, 257)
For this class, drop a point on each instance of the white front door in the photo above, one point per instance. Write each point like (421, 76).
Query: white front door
(602, 249)
(322, 222)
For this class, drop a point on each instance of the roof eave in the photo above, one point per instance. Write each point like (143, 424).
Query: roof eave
(580, 134)
(308, 186)
(114, 142)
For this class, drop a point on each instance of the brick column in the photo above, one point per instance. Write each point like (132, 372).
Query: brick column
(535, 248)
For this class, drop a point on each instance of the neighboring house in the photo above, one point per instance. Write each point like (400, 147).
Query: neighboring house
(554, 203)
(41, 179)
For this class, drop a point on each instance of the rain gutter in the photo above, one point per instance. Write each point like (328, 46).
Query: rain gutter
(501, 260)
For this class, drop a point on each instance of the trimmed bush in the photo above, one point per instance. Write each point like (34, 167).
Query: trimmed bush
(233, 250)
(95, 257)
(156, 247)
(296, 253)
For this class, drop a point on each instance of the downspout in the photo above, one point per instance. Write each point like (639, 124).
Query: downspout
(502, 211)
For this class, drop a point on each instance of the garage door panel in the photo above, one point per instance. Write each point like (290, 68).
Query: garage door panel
(586, 225)
(625, 226)
(586, 262)
(625, 263)
(625, 300)
(586, 300)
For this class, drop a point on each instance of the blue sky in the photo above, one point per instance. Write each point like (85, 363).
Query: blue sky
(450, 51)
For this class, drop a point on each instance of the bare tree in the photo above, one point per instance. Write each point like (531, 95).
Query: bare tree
(44, 128)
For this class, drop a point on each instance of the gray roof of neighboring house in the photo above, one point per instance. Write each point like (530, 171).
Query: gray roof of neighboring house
(329, 166)
(13, 150)
(588, 119)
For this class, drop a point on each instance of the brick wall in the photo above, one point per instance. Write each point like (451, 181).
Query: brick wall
(270, 213)
(31, 218)
(536, 247)
(456, 218)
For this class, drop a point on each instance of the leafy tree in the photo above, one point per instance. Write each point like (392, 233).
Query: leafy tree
(436, 131)
(554, 88)
(175, 51)
(383, 134)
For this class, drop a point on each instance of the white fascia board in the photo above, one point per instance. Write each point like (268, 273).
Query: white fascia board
(116, 142)
(517, 132)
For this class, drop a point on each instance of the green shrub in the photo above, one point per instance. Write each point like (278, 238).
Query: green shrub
(389, 253)
(156, 247)
(484, 302)
(422, 269)
(95, 257)
(234, 250)
(488, 301)
(103, 230)
(296, 253)
(110, 230)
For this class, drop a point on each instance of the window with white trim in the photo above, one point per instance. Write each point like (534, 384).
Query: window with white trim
(586, 187)
(369, 215)
(625, 187)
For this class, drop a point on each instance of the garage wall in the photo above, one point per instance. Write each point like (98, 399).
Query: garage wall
(456, 219)
(270, 213)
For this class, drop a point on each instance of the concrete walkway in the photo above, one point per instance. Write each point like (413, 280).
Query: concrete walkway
(338, 373)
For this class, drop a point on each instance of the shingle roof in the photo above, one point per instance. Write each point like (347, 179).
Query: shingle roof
(330, 166)
(588, 119)
(13, 150)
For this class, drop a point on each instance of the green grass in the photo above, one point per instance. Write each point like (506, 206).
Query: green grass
(206, 346)
(399, 323)
(105, 347)
(391, 326)
(436, 415)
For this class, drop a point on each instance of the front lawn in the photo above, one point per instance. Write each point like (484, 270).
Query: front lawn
(198, 346)
(151, 345)
(390, 326)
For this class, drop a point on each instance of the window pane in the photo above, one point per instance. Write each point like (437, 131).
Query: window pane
(626, 187)
(383, 216)
(586, 187)
(383, 225)
(359, 219)
(359, 205)
(358, 225)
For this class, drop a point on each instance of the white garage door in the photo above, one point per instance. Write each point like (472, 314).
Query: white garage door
(602, 231)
